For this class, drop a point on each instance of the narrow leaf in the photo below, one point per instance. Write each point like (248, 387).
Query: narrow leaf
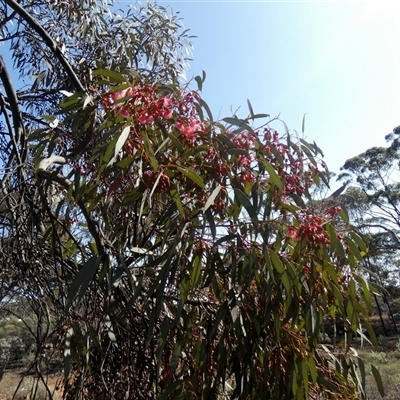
(250, 109)
(120, 143)
(149, 151)
(211, 199)
(114, 76)
(207, 108)
(238, 122)
(199, 82)
(273, 176)
(303, 125)
(378, 380)
(192, 175)
(175, 196)
(82, 280)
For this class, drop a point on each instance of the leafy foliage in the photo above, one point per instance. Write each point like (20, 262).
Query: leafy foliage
(204, 241)
(182, 257)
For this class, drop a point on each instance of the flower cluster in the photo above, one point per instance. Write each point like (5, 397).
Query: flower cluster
(311, 228)
(296, 175)
(243, 140)
(192, 152)
(139, 103)
(333, 211)
(144, 107)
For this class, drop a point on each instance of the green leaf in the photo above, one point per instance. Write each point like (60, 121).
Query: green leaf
(207, 108)
(312, 368)
(82, 279)
(175, 141)
(125, 162)
(371, 333)
(239, 123)
(244, 200)
(255, 116)
(303, 123)
(149, 150)
(224, 239)
(250, 109)
(274, 177)
(175, 196)
(353, 247)
(365, 288)
(211, 223)
(361, 367)
(196, 271)
(199, 82)
(344, 216)
(226, 141)
(242, 152)
(277, 263)
(192, 175)
(378, 380)
(172, 388)
(285, 126)
(71, 101)
(332, 236)
(361, 244)
(304, 374)
(114, 76)
(328, 384)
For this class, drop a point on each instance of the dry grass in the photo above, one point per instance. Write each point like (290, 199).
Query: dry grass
(388, 364)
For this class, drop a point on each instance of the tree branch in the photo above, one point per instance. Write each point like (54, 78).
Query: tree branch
(18, 138)
(66, 183)
(392, 233)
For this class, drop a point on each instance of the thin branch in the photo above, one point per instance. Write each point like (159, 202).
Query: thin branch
(66, 183)
(392, 233)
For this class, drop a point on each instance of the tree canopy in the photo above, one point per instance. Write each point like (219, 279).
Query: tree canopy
(165, 254)
(374, 201)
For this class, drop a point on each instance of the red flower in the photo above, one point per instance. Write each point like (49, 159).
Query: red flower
(145, 118)
(245, 160)
(292, 233)
(246, 176)
(113, 98)
(190, 130)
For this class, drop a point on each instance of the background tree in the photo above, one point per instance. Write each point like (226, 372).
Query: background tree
(373, 203)
(177, 257)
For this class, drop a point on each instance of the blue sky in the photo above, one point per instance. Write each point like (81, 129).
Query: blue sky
(339, 62)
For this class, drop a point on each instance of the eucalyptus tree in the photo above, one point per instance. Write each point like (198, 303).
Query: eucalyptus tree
(173, 256)
(48, 49)
(373, 199)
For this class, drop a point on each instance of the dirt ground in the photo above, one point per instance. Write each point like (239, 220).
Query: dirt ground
(12, 380)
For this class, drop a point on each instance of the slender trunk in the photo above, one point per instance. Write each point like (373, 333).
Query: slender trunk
(380, 315)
